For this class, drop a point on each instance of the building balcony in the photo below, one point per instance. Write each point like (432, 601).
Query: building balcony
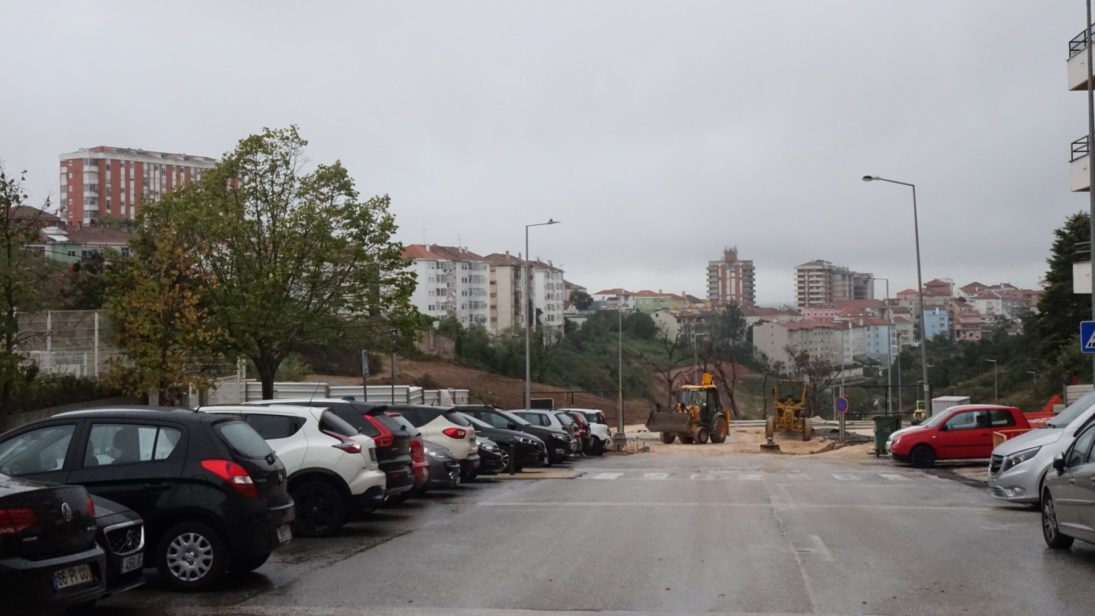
(1079, 178)
(1077, 62)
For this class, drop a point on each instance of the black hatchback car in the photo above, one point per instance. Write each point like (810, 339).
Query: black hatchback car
(528, 450)
(48, 557)
(211, 492)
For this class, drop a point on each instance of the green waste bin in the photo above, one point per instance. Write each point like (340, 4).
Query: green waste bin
(884, 426)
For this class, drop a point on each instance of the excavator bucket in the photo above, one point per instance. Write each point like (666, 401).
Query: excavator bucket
(669, 421)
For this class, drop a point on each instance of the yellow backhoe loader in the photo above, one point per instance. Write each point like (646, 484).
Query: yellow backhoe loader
(697, 417)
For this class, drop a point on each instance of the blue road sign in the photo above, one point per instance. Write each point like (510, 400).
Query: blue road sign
(841, 404)
(1087, 336)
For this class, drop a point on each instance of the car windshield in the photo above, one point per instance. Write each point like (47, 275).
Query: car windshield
(1073, 411)
(565, 419)
(514, 418)
(934, 420)
(243, 439)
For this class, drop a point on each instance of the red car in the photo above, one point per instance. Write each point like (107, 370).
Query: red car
(958, 433)
(419, 462)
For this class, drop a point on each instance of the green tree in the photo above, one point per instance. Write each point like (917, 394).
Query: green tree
(20, 272)
(159, 305)
(83, 286)
(298, 258)
(581, 300)
(1060, 311)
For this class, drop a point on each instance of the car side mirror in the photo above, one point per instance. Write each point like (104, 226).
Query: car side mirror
(943, 428)
(1059, 464)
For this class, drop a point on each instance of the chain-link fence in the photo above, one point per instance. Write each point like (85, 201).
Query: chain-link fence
(74, 342)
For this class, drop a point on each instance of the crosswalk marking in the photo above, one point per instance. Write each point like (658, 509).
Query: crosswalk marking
(845, 477)
(607, 476)
(728, 475)
(894, 476)
(751, 476)
(702, 477)
(656, 476)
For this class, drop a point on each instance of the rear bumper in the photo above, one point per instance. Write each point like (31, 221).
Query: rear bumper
(257, 534)
(368, 480)
(29, 586)
(469, 465)
(368, 501)
(399, 480)
(447, 477)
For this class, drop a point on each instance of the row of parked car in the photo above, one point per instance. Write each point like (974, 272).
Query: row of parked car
(1050, 464)
(90, 498)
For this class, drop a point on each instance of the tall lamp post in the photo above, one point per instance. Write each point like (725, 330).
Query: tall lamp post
(620, 438)
(919, 282)
(528, 309)
(995, 380)
(889, 348)
(1090, 153)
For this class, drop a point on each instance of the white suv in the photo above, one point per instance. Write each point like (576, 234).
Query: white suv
(448, 428)
(333, 470)
(597, 427)
(549, 419)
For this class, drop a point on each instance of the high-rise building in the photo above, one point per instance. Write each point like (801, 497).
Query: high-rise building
(106, 181)
(820, 283)
(731, 280)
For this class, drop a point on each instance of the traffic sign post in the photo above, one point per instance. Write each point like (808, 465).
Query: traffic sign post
(841, 408)
(365, 375)
(1087, 336)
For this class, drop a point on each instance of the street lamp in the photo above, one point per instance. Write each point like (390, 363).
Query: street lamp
(620, 439)
(919, 281)
(528, 309)
(889, 348)
(995, 380)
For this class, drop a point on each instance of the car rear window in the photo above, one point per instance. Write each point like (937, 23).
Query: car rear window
(243, 439)
(352, 416)
(457, 418)
(329, 422)
(402, 421)
(565, 419)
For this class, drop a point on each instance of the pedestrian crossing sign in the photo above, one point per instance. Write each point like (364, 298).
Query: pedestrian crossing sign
(1087, 336)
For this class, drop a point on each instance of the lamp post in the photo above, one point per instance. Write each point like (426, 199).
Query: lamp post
(889, 348)
(1090, 153)
(620, 438)
(1034, 385)
(919, 281)
(995, 380)
(528, 308)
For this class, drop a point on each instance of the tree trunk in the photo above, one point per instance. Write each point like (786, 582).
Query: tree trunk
(267, 368)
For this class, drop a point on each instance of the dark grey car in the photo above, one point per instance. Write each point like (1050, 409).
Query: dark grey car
(1068, 499)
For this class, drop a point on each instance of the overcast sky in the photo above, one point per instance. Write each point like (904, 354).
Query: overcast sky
(658, 132)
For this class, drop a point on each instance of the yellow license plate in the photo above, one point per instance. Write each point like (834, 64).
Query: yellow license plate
(72, 576)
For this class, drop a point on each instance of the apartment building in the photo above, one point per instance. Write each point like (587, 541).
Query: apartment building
(108, 181)
(822, 339)
(452, 282)
(731, 279)
(821, 283)
(506, 283)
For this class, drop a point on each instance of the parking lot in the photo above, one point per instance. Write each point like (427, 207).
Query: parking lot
(673, 532)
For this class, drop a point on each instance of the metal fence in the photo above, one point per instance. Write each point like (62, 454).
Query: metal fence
(75, 342)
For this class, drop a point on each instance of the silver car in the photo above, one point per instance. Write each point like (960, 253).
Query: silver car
(1068, 500)
(1020, 465)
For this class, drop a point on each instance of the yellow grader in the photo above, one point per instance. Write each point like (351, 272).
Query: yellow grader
(789, 399)
(697, 417)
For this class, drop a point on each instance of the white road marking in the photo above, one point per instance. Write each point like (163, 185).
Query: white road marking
(845, 477)
(656, 476)
(606, 476)
(894, 477)
(751, 476)
(702, 477)
(850, 507)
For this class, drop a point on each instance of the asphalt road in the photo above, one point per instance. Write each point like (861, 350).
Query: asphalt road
(673, 533)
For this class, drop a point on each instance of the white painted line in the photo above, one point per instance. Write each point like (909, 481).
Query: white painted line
(606, 476)
(656, 476)
(894, 477)
(845, 477)
(702, 477)
(804, 506)
(751, 476)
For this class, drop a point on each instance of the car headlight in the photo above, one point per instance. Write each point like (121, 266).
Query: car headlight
(560, 437)
(1019, 457)
(525, 441)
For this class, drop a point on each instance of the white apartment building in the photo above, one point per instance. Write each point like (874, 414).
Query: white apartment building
(452, 282)
(507, 288)
(820, 283)
(819, 338)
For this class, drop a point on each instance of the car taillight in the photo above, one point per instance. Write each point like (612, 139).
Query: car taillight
(386, 438)
(348, 446)
(454, 432)
(16, 520)
(233, 473)
(418, 453)
(90, 506)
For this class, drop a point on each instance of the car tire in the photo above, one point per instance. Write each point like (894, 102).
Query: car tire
(702, 436)
(668, 437)
(249, 564)
(922, 456)
(1051, 531)
(191, 556)
(599, 447)
(320, 508)
(716, 431)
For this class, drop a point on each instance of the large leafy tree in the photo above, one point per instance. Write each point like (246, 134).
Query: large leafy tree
(299, 260)
(1060, 311)
(159, 305)
(21, 270)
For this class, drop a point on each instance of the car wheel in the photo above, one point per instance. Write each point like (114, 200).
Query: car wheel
(922, 456)
(249, 564)
(599, 447)
(320, 508)
(668, 437)
(702, 435)
(716, 431)
(191, 556)
(1051, 531)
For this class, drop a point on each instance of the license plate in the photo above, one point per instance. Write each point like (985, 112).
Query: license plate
(72, 576)
(132, 563)
(284, 533)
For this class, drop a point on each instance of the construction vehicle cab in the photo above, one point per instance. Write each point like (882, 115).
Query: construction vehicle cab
(697, 416)
(789, 398)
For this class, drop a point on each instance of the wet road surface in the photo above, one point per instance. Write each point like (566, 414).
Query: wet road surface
(672, 533)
